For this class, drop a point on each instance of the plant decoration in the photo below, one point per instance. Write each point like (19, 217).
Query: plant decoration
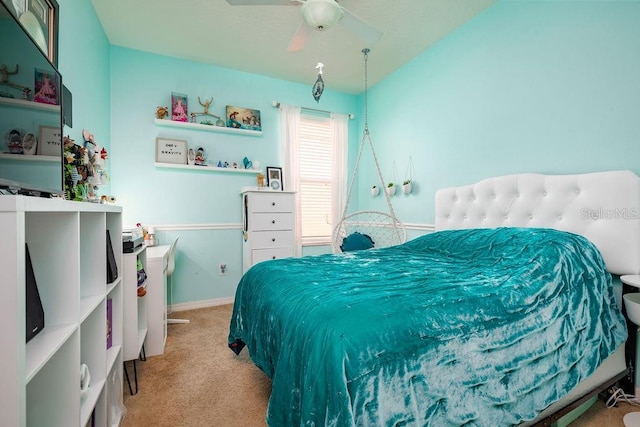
(408, 182)
(391, 189)
(75, 170)
(84, 168)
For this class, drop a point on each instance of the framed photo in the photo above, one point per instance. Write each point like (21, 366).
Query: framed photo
(46, 87)
(16, 7)
(243, 118)
(274, 178)
(49, 141)
(171, 151)
(179, 108)
(40, 19)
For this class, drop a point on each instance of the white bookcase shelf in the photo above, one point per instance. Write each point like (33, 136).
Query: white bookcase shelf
(206, 128)
(40, 380)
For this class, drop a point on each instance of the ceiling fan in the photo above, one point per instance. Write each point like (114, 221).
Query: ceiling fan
(320, 15)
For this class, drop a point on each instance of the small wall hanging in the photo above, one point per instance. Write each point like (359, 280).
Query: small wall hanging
(318, 86)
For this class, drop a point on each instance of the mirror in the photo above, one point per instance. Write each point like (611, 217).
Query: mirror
(30, 113)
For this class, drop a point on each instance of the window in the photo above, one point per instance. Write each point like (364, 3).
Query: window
(316, 169)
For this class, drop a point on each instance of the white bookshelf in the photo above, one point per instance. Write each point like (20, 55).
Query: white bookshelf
(135, 307)
(40, 380)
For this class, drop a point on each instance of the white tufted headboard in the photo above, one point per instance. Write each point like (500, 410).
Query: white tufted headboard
(603, 206)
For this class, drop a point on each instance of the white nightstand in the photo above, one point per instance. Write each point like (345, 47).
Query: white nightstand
(632, 307)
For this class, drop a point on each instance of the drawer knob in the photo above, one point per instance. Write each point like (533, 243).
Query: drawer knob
(273, 221)
(273, 203)
(273, 239)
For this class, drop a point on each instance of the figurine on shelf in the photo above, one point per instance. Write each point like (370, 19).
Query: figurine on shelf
(162, 112)
(248, 164)
(4, 80)
(200, 157)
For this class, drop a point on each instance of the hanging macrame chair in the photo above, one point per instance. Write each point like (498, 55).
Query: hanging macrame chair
(367, 229)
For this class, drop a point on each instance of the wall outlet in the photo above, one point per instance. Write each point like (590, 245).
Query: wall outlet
(222, 269)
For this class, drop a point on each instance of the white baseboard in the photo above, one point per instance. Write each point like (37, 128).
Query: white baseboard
(201, 304)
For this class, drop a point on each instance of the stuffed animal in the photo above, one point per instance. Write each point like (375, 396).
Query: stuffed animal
(162, 112)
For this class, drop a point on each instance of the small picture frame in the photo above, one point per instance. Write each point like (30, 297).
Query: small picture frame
(179, 107)
(46, 87)
(172, 151)
(49, 141)
(243, 118)
(274, 178)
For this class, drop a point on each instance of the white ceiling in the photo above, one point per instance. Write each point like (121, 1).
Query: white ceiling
(255, 38)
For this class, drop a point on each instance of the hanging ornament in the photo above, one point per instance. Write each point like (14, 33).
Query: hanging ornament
(318, 86)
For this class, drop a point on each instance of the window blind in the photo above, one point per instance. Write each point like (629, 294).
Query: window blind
(315, 151)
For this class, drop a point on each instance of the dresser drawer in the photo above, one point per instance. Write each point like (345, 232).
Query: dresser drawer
(259, 255)
(271, 221)
(272, 202)
(271, 239)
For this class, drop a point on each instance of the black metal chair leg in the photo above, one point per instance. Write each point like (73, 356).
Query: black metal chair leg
(143, 355)
(135, 376)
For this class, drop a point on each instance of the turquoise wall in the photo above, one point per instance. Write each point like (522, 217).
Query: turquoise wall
(84, 65)
(527, 86)
(546, 87)
(202, 206)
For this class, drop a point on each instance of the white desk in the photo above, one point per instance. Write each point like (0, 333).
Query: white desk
(157, 257)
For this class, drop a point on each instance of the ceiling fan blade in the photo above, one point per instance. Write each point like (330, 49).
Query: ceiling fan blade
(300, 38)
(264, 2)
(360, 27)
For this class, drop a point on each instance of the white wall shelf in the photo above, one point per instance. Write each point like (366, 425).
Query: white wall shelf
(29, 157)
(30, 105)
(207, 128)
(206, 168)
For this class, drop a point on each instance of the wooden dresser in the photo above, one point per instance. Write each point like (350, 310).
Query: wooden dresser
(268, 226)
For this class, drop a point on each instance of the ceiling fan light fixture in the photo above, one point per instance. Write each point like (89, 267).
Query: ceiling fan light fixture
(321, 14)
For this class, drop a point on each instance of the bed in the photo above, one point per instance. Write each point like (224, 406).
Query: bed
(503, 316)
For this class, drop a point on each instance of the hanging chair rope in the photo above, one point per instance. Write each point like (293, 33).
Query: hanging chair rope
(384, 229)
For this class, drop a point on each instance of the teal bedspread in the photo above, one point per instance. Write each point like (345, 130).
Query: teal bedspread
(480, 327)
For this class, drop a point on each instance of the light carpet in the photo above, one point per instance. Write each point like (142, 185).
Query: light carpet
(199, 382)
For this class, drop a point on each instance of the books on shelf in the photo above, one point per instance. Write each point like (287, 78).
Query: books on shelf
(109, 323)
